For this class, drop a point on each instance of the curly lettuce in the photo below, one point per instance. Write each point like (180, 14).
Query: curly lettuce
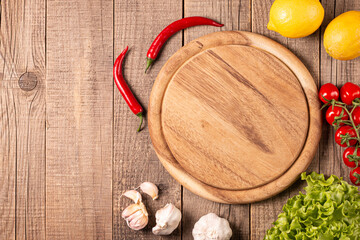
(329, 210)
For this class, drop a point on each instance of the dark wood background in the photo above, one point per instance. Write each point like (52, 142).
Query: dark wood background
(68, 145)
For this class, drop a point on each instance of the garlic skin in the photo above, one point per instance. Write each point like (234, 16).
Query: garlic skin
(133, 195)
(150, 189)
(136, 216)
(212, 227)
(167, 220)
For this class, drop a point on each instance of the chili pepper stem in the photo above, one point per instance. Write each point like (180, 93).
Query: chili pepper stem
(140, 115)
(149, 61)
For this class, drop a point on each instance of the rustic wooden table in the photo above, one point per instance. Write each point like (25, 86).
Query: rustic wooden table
(68, 145)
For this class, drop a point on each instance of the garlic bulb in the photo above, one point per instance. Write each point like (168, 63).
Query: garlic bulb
(167, 220)
(136, 216)
(212, 227)
(133, 195)
(150, 189)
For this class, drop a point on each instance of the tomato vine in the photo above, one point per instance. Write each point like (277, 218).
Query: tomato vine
(341, 115)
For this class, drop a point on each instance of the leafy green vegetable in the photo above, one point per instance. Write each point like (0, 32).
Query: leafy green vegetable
(329, 210)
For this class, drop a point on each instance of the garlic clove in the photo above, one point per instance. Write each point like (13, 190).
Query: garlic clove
(130, 210)
(167, 220)
(133, 195)
(138, 222)
(157, 230)
(134, 208)
(150, 189)
(143, 208)
(164, 214)
(136, 216)
(210, 226)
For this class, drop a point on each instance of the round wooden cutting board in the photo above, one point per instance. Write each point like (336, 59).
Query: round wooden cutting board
(234, 117)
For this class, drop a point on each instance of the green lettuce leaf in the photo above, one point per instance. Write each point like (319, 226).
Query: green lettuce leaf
(330, 210)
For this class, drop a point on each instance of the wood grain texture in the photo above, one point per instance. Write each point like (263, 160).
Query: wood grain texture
(78, 86)
(79, 119)
(307, 49)
(136, 24)
(329, 151)
(223, 39)
(22, 120)
(217, 121)
(235, 15)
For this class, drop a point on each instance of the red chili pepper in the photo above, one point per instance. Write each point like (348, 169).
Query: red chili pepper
(124, 88)
(171, 30)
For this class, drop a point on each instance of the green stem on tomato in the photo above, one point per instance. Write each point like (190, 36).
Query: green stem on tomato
(350, 119)
(352, 110)
(352, 122)
(347, 122)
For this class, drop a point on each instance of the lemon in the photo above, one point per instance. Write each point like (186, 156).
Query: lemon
(295, 18)
(342, 36)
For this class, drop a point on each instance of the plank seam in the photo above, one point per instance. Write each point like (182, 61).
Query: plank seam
(28, 166)
(16, 158)
(113, 129)
(319, 83)
(251, 15)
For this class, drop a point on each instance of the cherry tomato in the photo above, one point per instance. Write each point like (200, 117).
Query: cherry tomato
(335, 111)
(349, 152)
(345, 131)
(355, 176)
(349, 92)
(329, 91)
(356, 116)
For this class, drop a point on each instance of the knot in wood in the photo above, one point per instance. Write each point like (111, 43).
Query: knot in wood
(28, 81)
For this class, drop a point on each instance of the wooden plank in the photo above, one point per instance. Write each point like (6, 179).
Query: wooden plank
(329, 151)
(307, 49)
(235, 15)
(79, 119)
(345, 71)
(22, 120)
(136, 24)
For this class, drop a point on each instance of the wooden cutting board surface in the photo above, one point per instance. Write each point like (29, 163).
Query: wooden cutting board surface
(234, 117)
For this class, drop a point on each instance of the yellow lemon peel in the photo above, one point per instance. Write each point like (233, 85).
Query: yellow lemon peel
(295, 18)
(342, 36)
